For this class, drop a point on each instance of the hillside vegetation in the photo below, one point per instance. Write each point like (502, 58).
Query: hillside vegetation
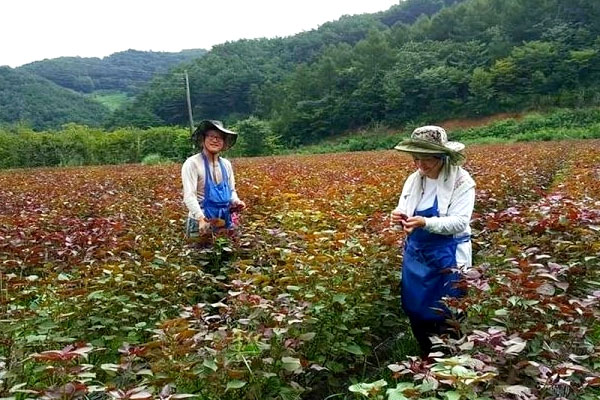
(47, 94)
(125, 71)
(81, 145)
(38, 103)
(419, 60)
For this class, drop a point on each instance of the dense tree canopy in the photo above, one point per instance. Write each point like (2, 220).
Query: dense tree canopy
(27, 98)
(417, 60)
(126, 71)
(420, 60)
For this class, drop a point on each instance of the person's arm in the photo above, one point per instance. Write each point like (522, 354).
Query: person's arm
(399, 213)
(458, 218)
(189, 178)
(402, 201)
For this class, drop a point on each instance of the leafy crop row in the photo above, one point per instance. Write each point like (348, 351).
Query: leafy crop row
(101, 296)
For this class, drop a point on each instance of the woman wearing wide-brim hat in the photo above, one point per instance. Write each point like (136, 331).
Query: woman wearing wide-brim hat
(208, 181)
(434, 211)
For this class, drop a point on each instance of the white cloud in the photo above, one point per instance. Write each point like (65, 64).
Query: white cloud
(32, 30)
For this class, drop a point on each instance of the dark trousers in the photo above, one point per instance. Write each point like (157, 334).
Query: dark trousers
(423, 329)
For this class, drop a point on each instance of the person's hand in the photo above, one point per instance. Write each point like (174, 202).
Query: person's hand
(412, 223)
(238, 205)
(203, 225)
(397, 217)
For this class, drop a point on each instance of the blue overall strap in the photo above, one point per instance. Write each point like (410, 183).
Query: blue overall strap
(224, 175)
(216, 196)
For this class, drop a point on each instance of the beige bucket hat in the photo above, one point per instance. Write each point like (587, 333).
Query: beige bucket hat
(431, 139)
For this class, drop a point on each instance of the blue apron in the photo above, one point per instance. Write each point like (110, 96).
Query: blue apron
(216, 196)
(426, 274)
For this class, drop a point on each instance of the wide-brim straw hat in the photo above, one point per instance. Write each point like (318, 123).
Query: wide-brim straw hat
(230, 137)
(432, 140)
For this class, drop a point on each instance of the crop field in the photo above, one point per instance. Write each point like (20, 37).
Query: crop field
(101, 297)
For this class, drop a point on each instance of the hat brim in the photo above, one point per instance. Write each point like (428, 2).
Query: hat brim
(452, 149)
(230, 136)
(416, 149)
(221, 129)
(229, 141)
(417, 146)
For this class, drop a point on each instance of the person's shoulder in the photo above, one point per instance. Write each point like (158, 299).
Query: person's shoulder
(410, 181)
(413, 176)
(463, 172)
(193, 158)
(463, 178)
(192, 162)
(226, 162)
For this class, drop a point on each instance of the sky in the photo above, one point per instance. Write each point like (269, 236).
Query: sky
(33, 30)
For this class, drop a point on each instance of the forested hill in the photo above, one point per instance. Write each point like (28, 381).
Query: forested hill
(126, 71)
(35, 101)
(420, 60)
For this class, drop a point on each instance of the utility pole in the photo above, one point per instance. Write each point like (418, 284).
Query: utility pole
(189, 102)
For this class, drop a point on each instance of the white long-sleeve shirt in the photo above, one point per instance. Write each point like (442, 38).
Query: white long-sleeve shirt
(193, 179)
(455, 191)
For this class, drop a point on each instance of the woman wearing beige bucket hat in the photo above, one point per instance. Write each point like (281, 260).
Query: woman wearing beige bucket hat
(434, 211)
(208, 181)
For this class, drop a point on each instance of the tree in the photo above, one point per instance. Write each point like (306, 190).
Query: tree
(482, 92)
(256, 137)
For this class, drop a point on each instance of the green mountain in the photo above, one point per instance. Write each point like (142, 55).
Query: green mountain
(36, 101)
(234, 79)
(126, 71)
(421, 60)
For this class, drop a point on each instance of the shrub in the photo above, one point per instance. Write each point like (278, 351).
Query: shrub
(256, 138)
(155, 159)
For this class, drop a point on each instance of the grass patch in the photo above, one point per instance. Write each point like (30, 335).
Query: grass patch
(562, 124)
(112, 100)
(155, 159)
